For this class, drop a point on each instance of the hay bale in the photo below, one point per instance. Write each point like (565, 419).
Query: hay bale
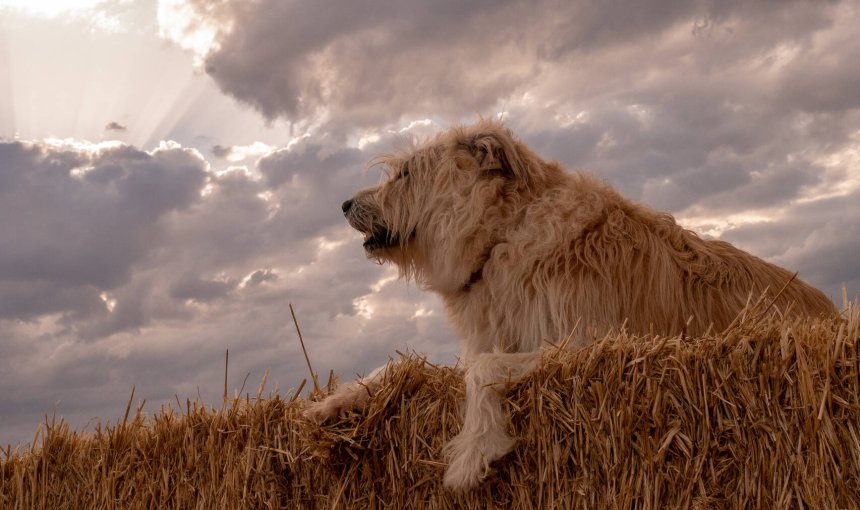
(765, 415)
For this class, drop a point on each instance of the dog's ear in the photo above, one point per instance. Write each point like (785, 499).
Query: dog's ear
(491, 148)
(493, 153)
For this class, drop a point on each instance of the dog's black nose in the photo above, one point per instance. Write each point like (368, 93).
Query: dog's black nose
(346, 206)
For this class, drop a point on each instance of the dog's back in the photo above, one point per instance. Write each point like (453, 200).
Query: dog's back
(660, 275)
(585, 259)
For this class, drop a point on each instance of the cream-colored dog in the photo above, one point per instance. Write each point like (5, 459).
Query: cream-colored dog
(521, 251)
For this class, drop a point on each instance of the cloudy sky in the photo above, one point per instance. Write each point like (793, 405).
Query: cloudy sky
(171, 171)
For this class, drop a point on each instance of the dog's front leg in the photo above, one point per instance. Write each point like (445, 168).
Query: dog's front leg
(484, 436)
(347, 397)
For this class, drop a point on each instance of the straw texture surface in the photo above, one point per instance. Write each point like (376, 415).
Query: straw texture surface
(764, 415)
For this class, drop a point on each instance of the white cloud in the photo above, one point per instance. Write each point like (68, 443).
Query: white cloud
(81, 146)
(51, 7)
(237, 153)
(193, 25)
(98, 14)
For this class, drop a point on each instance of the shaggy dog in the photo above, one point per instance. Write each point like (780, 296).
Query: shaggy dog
(522, 252)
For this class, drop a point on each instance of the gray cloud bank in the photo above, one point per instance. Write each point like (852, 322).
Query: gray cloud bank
(369, 62)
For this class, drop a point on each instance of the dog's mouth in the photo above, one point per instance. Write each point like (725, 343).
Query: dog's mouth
(379, 240)
(377, 236)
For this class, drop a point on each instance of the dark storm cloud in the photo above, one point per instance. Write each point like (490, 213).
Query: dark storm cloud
(314, 162)
(201, 290)
(220, 151)
(377, 62)
(76, 223)
(372, 62)
(115, 126)
(819, 239)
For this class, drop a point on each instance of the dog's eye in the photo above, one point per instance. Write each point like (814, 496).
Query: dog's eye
(404, 171)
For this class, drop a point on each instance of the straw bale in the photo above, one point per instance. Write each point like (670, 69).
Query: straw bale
(765, 415)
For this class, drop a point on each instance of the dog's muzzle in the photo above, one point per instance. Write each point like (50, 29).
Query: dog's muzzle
(376, 237)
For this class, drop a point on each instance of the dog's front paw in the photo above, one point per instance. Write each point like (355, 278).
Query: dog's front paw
(470, 457)
(346, 398)
(324, 410)
(465, 471)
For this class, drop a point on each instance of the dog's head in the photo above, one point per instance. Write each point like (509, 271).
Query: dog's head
(446, 203)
